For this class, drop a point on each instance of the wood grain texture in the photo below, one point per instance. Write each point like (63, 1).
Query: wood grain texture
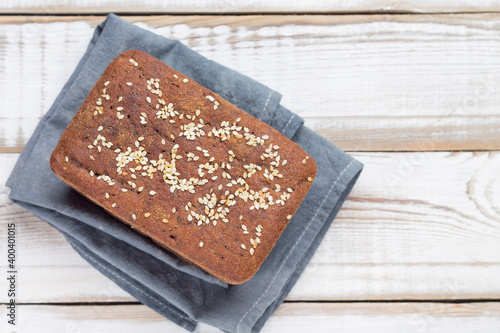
(416, 226)
(290, 317)
(240, 6)
(367, 83)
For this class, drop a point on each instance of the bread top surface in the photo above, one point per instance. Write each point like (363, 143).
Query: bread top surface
(179, 164)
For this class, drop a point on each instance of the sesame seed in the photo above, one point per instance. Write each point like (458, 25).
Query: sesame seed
(164, 220)
(147, 214)
(106, 195)
(66, 158)
(185, 80)
(120, 108)
(251, 251)
(140, 189)
(265, 137)
(152, 192)
(91, 173)
(173, 210)
(113, 205)
(241, 217)
(148, 99)
(120, 99)
(99, 128)
(133, 216)
(243, 246)
(106, 83)
(289, 217)
(175, 75)
(201, 244)
(304, 161)
(129, 83)
(244, 227)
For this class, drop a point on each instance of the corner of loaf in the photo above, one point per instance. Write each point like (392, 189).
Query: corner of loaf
(181, 165)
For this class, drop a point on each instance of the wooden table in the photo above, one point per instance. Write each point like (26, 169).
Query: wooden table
(411, 89)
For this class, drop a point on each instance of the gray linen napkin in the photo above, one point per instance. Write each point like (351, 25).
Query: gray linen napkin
(158, 279)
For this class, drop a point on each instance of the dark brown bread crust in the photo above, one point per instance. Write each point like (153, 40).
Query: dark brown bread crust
(128, 155)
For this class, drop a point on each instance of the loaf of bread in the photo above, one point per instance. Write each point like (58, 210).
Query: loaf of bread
(181, 165)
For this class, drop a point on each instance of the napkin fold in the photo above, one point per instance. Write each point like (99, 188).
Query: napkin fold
(180, 292)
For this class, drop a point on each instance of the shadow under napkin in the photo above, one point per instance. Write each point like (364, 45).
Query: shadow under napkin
(158, 279)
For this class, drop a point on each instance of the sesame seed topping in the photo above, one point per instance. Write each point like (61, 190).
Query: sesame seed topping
(152, 192)
(201, 244)
(185, 80)
(91, 173)
(129, 83)
(173, 210)
(106, 83)
(99, 128)
(66, 159)
(164, 220)
(289, 217)
(120, 108)
(148, 99)
(120, 98)
(113, 205)
(304, 161)
(134, 217)
(251, 251)
(147, 214)
(243, 246)
(309, 179)
(106, 195)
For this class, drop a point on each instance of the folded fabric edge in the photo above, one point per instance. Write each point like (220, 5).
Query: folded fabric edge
(255, 317)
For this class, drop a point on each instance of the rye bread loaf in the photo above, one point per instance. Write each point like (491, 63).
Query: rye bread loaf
(179, 164)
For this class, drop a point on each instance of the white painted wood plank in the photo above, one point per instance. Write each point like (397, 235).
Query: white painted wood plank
(239, 6)
(417, 82)
(290, 317)
(416, 226)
